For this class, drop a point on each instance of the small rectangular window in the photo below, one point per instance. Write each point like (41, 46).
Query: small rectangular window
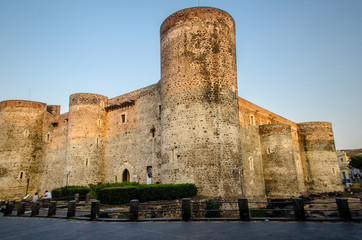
(123, 118)
(251, 162)
(252, 121)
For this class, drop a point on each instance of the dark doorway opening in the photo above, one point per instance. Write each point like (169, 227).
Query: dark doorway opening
(125, 176)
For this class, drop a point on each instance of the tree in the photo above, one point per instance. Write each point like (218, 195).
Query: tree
(356, 162)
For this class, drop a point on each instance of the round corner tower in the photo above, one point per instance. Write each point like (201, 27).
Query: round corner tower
(200, 116)
(320, 164)
(85, 139)
(21, 147)
(280, 170)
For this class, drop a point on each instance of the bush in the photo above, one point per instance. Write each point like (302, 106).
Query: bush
(142, 192)
(96, 188)
(212, 204)
(117, 195)
(69, 192)
(255, 213)
(356, 161)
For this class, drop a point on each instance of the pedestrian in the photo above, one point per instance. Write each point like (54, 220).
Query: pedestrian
(47, 195)
(35, 198)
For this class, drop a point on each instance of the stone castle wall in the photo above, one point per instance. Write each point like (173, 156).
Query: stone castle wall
(21, 146)
(55, 149)
(200, 124)
(190, 127)
(134, 145)
(321, 169)
(85, 138)
(280, 171)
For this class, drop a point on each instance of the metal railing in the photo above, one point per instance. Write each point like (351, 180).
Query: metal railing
(187, 210)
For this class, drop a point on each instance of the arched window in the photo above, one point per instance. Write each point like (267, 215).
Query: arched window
(125, 176)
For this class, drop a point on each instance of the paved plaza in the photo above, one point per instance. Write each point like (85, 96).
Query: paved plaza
(45, 228)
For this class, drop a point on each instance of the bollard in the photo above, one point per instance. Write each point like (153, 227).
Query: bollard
(35, 209)
(343, 209)
(52, 208)
(9, 209)
(76, 197)
(133, 212)
(21, 208)
(244, 209)
(95, 210)
(186, 209)
(45, 202)
(71, 209)
(87, 198)
(298, 206)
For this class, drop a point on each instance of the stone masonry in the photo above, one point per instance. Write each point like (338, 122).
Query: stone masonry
(190, 127)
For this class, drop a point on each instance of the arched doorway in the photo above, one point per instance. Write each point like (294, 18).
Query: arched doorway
(125, 176)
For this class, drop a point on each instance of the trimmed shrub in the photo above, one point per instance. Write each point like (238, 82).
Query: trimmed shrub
(96, 188)
(117, 195)
(142, 192)
(255, 213)
(69, 192)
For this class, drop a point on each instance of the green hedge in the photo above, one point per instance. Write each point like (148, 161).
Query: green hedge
(120, 195)
(96, 188)
(70, 191)
(117, 195)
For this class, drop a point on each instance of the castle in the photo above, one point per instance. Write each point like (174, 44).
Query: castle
(190, 127)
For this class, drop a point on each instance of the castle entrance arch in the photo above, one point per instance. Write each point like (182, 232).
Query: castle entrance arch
(125, 176)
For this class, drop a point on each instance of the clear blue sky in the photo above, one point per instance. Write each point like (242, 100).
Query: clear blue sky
(301, 59)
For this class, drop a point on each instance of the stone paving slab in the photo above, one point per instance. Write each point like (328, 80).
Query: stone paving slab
(46, 228)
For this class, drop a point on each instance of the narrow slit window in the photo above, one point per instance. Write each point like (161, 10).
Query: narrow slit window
(123, 118)
(252, 120)
(251, 163)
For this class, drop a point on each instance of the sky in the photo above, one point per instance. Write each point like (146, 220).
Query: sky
(301, 59)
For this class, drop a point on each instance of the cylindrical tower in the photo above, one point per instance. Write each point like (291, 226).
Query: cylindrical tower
(200, 116)
(21, 147)
(319, 158)
(85, 140)
(280, 171)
